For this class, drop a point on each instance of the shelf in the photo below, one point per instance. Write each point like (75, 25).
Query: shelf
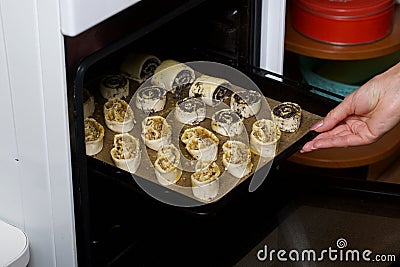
(298, 43)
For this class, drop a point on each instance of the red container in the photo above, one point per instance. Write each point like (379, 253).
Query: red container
(343, 22)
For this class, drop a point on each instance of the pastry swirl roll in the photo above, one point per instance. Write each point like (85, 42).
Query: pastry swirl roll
(227, 123)
(94, 136)
(246, 103)
(201, 143)
(167, 165)
(264, 138)
(88, 103)
(190, 111)
(205, 182)
(288, 116)
(118, 115)
(156, 132)
(173, 76)
(236, 158)
(139, 66)
(126, 152)
(114, 86)
(151, 99)
(212, 90)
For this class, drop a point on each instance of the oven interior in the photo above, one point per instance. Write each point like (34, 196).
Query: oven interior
(119, 224)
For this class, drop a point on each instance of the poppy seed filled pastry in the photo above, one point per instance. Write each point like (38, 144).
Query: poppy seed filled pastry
(139, 66)
(156, 132)
(114, 86)
(126, 152)
(118, 116)
(151, 99)
(287, 116)
(205, 182)
(190, 111)
(264, 138)
(236, 158)
(212, 90)
(201, 143)
(94, 136)
(167, 165)
(88, 103)
(173, 76)
(227, 123)
(246, 103)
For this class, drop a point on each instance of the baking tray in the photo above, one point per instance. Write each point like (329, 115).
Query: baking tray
(288, 142)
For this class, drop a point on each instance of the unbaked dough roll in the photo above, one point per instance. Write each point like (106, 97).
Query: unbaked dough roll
(173, 76)
(190, 111)
(202, 148)
(288, 116)
(227, 123)
(212, 90)
(118, 115)
(198, 132)
(236, 158)
(205, 182)
(126, 152)
(156, 132)
(151, 99)
(246, 103)
(201, 143)
(94, 136)
(167, 165)
(264, 138)
(139, 66)
(114, 86)
(88, 103)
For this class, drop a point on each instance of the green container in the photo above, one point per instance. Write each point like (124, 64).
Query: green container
(342, 77)
(309, 67)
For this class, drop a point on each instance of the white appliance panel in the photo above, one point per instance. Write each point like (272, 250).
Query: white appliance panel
(80, 15)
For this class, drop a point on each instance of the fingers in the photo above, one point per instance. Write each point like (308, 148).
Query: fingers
(337, 131)
(335, 116)
(340, 139)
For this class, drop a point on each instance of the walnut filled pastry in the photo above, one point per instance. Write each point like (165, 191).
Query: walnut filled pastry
(190, 111)
(227, 123)
(118, 115)
(264, 138)
(139, 66)
(151, 99)
(156, 132)
(173, 76)
(205, 182)
(212, 90)
(246, 103)
(236, 158)
(201, 143)
(288, 116)
(94, 136)
(167, 165)
(126, 152)
(114, 86)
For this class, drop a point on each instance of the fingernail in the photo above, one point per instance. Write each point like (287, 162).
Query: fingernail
(317, 125)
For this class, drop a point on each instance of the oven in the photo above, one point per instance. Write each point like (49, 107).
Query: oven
(118, 223)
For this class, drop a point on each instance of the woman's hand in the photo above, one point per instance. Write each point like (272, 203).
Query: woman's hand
(363, 116)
